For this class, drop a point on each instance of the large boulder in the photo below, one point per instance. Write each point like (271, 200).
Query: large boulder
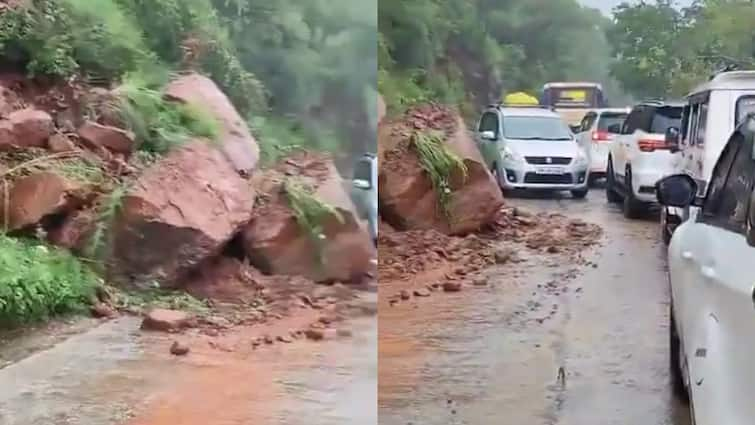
(34, 197)
(25, 128)
(407, 197)
(179, 212)
(238, 143)
(277, 244)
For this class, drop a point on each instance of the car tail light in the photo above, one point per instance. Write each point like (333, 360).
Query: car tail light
(650, 145)
(601, 136)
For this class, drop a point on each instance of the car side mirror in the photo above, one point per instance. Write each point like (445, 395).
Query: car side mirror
(678, 190)
(672, 139)
(614, 128)
(488, 135)
(575, 128)
(362, 184)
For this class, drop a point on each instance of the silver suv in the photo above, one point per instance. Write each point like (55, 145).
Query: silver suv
(532, 148)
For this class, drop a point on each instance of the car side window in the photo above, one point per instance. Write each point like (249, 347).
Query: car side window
(692, 125)
(684, 127)
(729, 195)
(489, 122)
(632, 122)
(702, 121)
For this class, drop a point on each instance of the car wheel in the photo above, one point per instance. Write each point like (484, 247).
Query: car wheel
(611, 195)
(665, 231)
(675, 365)
(580, 193)
(633, 208)
(497, 177)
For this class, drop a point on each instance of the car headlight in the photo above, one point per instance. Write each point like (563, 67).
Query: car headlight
(511, 155)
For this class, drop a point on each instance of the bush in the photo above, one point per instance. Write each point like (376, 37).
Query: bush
(38, 281)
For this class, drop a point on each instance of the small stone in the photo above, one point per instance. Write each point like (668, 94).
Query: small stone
(179, 349)
(344, 333)
(314, 334)
(552, 249)
(166, 320)
(503, 256)
(421, 293)
(452, 287)
(284, 339)
(405, 295)
(480, 282)
(268, 339)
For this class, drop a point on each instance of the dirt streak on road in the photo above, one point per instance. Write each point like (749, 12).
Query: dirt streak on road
(493, 354)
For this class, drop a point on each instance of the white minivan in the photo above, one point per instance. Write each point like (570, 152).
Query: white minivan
(712, 112)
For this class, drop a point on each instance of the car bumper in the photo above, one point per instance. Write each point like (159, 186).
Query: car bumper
(598, 161)
(557, 177)
(643, 185)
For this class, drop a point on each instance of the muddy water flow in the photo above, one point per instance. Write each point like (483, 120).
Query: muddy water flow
(548, 342)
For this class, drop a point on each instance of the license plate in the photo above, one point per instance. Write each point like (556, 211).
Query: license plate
(549, 170)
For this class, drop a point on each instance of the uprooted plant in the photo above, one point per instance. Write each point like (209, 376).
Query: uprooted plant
(440, 164)
(311, 213)
(106, 213)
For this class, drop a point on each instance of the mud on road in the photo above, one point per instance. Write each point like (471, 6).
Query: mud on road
(551, 339)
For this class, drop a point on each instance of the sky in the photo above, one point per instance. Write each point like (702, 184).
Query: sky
(607, 5)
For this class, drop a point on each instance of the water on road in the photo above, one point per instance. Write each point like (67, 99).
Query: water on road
(495, 355)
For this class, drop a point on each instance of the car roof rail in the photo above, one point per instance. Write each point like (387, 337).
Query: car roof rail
(508, 105)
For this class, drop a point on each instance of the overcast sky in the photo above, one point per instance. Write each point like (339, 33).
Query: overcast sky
(607, 5)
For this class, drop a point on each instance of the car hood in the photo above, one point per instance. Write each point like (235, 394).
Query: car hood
(544, 147)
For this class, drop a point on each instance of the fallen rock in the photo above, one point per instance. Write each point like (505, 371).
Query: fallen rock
(421, 293)
(503, 255)
(277, 243)
(179, 212)
(103, 311)
(164, 320)
(407, 197)
(314, 334)
(25, 128)
(74, 233)
(237, 141)
(111, 138)
(34, 197)
(480, 282)
(60, 143)
(405, 295)
(179, 349)
(452, 286)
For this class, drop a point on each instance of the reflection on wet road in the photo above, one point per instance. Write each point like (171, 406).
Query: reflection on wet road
(494, 355)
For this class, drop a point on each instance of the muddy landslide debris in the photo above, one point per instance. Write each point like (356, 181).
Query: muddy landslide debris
(408, 200)
(164, 320)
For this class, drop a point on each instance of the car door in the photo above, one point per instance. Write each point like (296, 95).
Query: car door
(584, 138)
(488, 148)
(620, 144)
(718, 310)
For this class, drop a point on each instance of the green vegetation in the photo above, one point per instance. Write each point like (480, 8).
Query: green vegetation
(311, 212)
(662, 51)
(160, 125)
(470, 53)
(40, 281)
(146, 299)
(98, 244)
(440, 164)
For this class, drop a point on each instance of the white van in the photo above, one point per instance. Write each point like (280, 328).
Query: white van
(712, 112)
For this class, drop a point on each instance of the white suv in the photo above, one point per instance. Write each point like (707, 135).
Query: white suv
(713, 111)
(596, 131)
(640, 156)
(712, 338)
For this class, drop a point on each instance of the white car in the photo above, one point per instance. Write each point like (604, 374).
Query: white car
(598, 128)
(713, 110)
(712, 338)
(640, 156)
(532, 148)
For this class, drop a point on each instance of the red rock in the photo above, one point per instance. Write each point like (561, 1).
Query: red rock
(452, 286)
(181, 211)
(237, 141)
(25, 128)
(9, 101)
(277, 244)
(34, 197)
(407, 198)
(179, 349)
(166, 320)
(59, 143)
(314, 334)
(75, 231)
(111, 138)
(101, 310)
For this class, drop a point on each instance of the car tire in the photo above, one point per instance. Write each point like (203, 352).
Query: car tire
(632, 207)
(580, 193)
(497, 177)
(675, 366)
(665, 231)
(611, 195)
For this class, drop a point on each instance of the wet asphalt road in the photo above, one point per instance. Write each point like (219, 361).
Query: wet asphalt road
(493, 357)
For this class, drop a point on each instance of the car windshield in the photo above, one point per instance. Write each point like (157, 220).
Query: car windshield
(611, 118)
(535, 128)
(665, 118)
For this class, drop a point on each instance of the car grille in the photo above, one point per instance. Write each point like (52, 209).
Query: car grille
(543, 160)
(535, 178)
